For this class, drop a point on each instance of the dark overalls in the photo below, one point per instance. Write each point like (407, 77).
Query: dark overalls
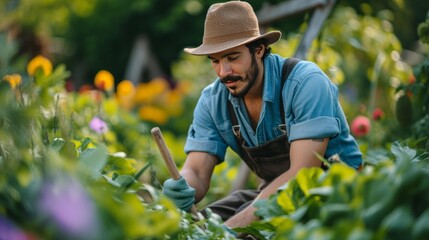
(267, 161)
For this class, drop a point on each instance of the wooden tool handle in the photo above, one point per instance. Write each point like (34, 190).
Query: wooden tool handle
(169, 162)
(171, 165)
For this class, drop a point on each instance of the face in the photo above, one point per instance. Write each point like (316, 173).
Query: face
(237, 68)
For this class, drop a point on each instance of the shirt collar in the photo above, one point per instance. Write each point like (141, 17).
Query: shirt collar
(269, 79)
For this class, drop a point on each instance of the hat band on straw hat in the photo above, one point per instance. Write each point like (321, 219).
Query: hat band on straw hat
(230, 37)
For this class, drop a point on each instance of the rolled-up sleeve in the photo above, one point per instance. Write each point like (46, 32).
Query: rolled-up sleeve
(198, 143)
(319, 127)
(313, 106)
(204, 134)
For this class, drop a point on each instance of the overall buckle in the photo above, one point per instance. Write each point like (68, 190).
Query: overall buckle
(282, 128)
(236, 130)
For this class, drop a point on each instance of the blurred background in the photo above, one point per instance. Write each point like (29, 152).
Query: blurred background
(112, 70)
(89, 35)
(125, 58)
(130, 53)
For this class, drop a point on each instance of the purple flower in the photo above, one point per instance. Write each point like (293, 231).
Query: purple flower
(98, 125)
(67, 203)
(9, 231)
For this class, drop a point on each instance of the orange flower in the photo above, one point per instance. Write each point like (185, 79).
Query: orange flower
(125, 94)
(104, 80)
(39, 63)
(13, 79)
(183, 87)
(153, 114)
(125, 88)
(173, 102)
(149, 92)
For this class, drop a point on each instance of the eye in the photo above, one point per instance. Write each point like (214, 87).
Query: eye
(232, 58)
(214, 61)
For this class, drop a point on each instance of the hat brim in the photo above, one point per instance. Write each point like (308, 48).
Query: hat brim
(206, 49)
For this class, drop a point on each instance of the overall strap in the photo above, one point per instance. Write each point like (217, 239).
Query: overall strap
(288, 66)
(287, 69)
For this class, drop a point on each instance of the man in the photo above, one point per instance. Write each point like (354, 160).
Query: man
(276, 128)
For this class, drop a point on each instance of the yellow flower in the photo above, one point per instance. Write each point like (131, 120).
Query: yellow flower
(153, 114)
(148, 92)
(104, 80)
(159, 85)
(173, 102)
(39, 63)
(184, 87)
(125, 94)
(125, 88)
(13, 79)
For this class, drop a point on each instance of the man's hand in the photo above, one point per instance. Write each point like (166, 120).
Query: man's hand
(243, 218)
(180, 193)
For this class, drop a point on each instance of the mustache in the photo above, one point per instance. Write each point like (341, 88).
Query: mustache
(231, 79)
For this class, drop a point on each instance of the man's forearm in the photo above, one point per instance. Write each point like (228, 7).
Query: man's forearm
(195, 182)
(197, 171)
(247, 216)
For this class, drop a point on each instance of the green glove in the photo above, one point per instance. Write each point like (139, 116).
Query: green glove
(229, 230)
(180, 193)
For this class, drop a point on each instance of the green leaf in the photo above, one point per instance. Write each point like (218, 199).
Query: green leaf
(141, 171)
(339, 173)
(379, 200)
(307, 178)
(260, 230)
(267, 208)
(57, 144)
(58, 76)
(289, 198)
(120, 165)
(421, 226)
(399, 223)
(136, 176)
(124, 180)
(321, 191)
(403, 152)
(93, 160)
(334, 213)
(69, 150)
(300, 212)
(85, 143)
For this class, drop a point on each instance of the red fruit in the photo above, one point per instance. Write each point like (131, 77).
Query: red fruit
(377, 114)
(360, 126)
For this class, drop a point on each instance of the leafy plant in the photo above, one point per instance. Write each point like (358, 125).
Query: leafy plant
(54, 185)
(412, 107)
(388, 200)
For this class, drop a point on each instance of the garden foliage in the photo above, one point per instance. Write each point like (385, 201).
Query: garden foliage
(81, 165)
(388, 200)
(57, 184)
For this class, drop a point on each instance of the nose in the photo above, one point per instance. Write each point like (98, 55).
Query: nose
(224, 69)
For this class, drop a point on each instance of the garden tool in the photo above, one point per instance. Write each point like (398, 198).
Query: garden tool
(169, 162)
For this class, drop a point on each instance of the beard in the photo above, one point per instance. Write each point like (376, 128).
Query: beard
(250, 79)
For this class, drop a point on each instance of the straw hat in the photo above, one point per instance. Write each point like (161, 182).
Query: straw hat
(229, 25)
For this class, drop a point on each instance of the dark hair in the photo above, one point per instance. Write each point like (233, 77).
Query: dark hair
(257, 43)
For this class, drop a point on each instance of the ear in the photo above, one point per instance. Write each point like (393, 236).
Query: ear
(259, 51)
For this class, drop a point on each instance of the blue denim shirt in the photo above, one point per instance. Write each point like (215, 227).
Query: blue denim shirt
(310, 103)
